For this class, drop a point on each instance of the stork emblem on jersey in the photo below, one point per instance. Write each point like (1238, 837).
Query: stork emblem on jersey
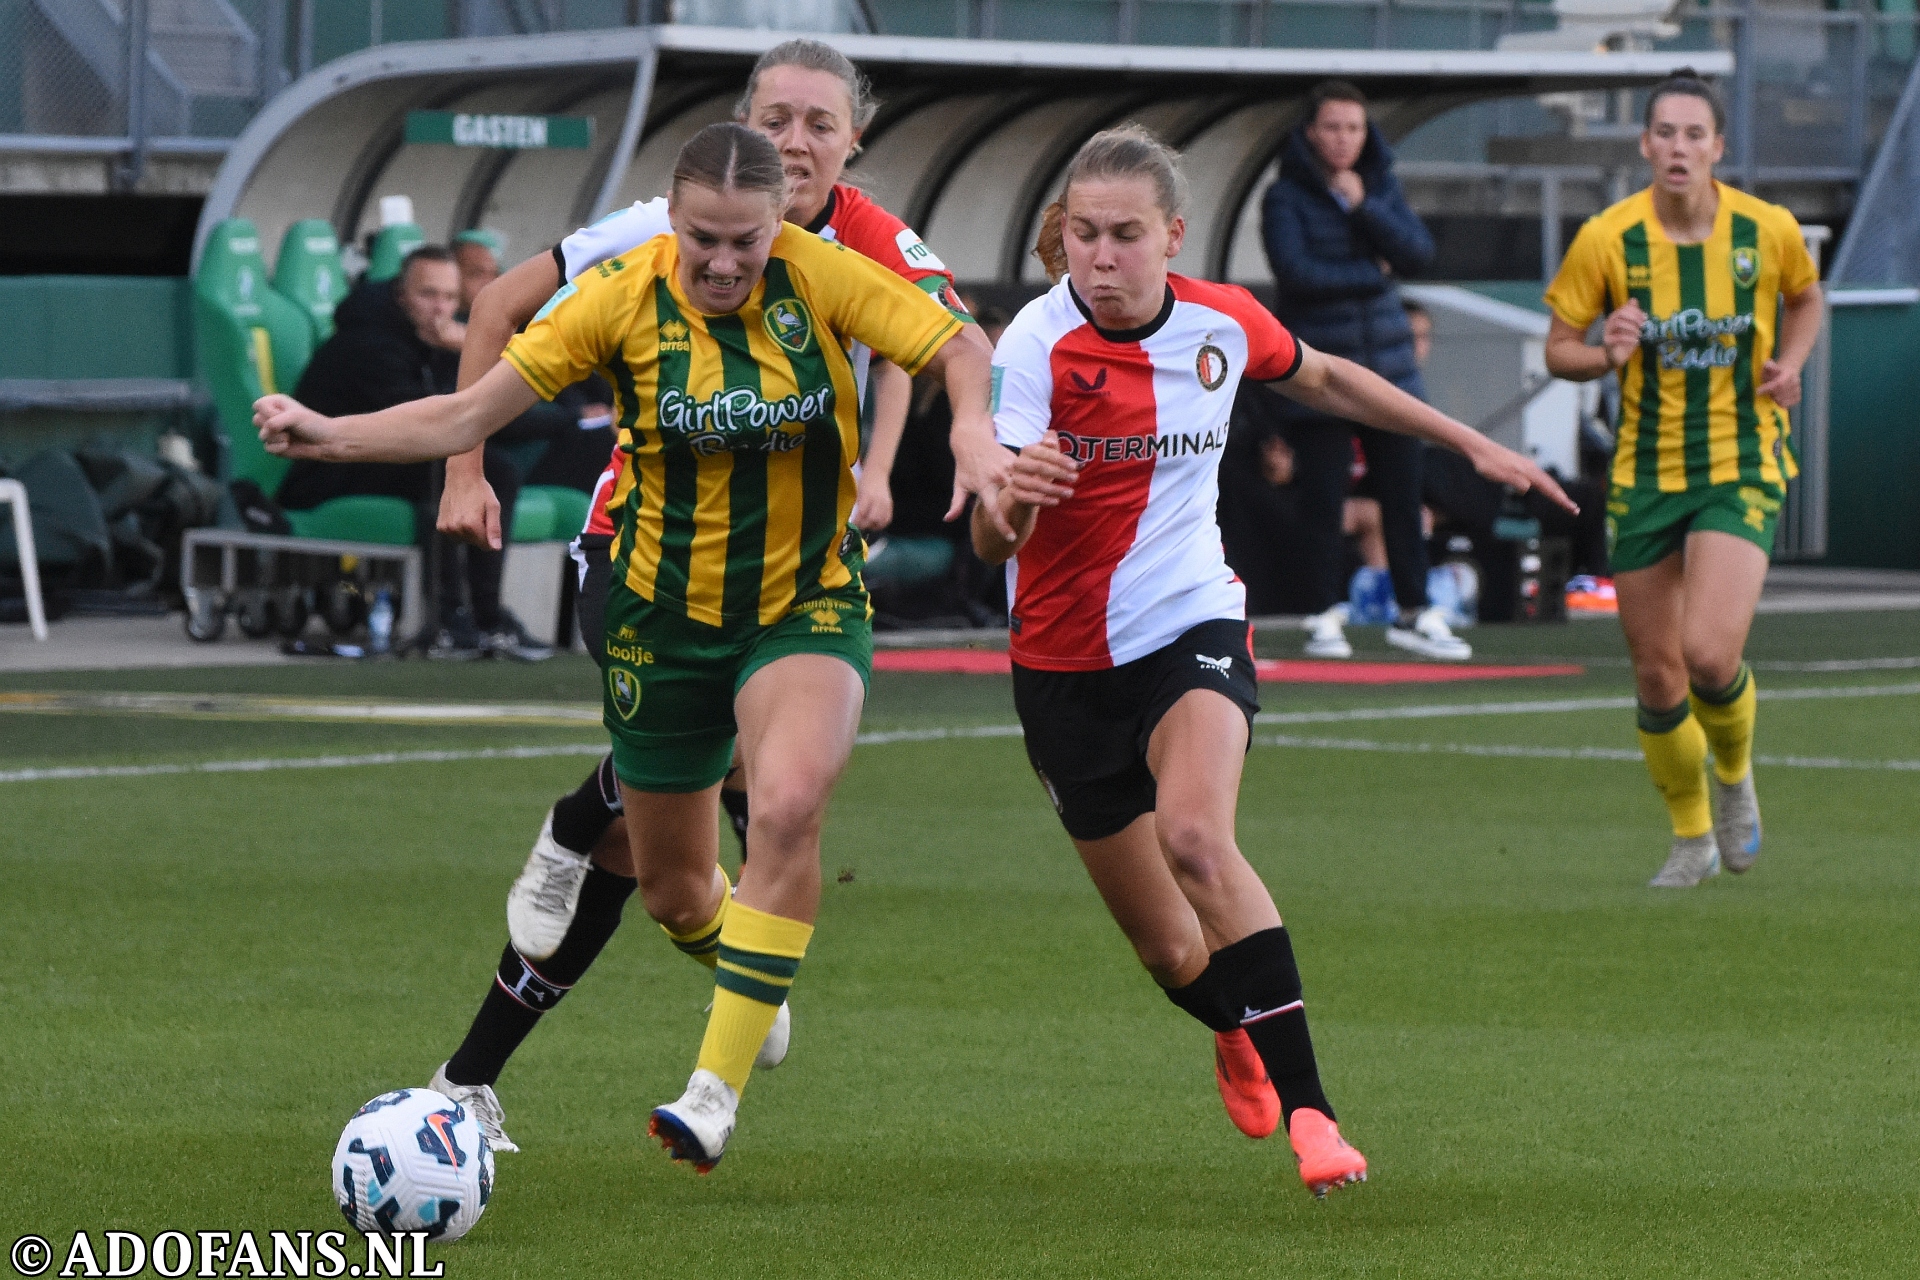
(1219, 666)
(625, 688)
(1211, 366)
(789, 324)
(1746, 267)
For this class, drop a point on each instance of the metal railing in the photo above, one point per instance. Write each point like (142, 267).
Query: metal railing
(1814, 90)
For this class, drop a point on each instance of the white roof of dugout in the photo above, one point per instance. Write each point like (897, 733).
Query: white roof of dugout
(968, 145)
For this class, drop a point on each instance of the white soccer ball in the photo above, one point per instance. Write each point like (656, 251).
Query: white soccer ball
(413, 1160)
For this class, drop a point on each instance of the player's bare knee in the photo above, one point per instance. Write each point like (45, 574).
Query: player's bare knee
(1196, 848)
(786, 811)
(1171, 962)
(1712, 668)
(676, 899)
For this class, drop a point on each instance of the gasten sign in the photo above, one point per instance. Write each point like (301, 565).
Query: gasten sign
(510, 132)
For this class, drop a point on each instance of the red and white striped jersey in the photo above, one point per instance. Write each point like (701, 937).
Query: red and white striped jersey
(850, 217)
(1133, 558)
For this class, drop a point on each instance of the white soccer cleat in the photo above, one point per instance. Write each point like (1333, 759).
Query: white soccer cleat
(697, 1125)
(481, 1102)
(1326, 637)
(773, 1050)
(1736, 822)
(1430, 637)
(1693, 859)
(541, 903)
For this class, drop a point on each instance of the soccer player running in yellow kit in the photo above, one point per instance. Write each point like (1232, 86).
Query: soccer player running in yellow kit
(1690, 274)
(1132, 672)
(568, 900)
(737, 608)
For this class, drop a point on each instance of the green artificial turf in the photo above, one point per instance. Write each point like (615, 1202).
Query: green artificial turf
(1553, 1070)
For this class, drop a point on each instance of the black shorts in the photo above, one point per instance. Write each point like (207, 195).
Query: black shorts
(593, 565)
(1087, 731)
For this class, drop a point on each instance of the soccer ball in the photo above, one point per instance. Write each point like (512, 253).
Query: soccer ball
(413, 1160)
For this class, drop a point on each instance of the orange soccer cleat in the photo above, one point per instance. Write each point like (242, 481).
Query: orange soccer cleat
(1326, 1161)
(1252, 1104)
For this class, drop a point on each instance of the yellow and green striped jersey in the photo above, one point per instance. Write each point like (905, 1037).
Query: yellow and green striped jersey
(741, 429)
(1690, 414)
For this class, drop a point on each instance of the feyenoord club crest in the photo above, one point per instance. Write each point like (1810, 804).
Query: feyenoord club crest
(1746, 267)
(789, 324)
(1211, 366)
(625, 688)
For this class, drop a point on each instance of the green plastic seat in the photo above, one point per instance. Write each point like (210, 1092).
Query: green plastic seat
(310, 273)
(251, 342)
(391, 247)
(548, 513)
(359, 518)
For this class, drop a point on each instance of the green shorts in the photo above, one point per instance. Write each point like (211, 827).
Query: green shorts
(1645, 526)
(669, 681)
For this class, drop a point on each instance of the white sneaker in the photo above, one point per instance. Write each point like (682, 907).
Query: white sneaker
(773, 1050)
(697, 1125)
(1692, 860)
(1325, 637)
(1430, 637)
(1736, 822)
(482, 1102)
(541, 903)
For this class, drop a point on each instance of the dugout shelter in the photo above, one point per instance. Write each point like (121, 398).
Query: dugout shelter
(968, 146)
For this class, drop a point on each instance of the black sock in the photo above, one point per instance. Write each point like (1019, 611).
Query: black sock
(1207, 999)
(735, 803)
(583, 815)
(522, 990)
(1263, 989)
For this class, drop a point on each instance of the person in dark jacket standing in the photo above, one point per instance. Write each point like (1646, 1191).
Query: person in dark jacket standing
(394, 341)
(1338, 231)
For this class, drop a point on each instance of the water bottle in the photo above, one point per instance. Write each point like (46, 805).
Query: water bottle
(380, 622)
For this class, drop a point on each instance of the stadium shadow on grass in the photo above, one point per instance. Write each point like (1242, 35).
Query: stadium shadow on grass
(1553, 1070)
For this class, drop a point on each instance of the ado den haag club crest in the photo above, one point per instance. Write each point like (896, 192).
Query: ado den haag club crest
(1746, 267)
(789, 324)
(625, 688)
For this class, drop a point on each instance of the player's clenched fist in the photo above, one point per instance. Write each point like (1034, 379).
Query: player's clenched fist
(288, 429)
(1043, 475)
(1621, 334)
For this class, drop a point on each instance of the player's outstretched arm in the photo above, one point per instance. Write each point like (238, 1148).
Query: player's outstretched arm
(965, 363)
(892, 397)
(417, 431)
(1340, 388)
(1041, 475)
(469, 510)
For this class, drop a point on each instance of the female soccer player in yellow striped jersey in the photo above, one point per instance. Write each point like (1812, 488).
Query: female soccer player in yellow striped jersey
(1690, 275)
(736, 606)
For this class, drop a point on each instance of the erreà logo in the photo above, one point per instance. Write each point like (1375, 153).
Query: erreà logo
(788, 323)
(624, 686)
(1210, 365)
(673, 331)
(1098, 384)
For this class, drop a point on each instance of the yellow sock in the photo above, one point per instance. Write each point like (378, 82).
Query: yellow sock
(1676, 750)
(703, 942)
(1727, 717)
(759, 954)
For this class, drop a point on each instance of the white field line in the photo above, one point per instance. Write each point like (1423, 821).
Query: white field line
(300, 762)
(939, 734)
(1435, 711)
(1559, 753)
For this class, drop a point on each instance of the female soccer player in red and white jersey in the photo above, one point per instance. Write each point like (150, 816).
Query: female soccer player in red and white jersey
(563, 909)
(1132, 669)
